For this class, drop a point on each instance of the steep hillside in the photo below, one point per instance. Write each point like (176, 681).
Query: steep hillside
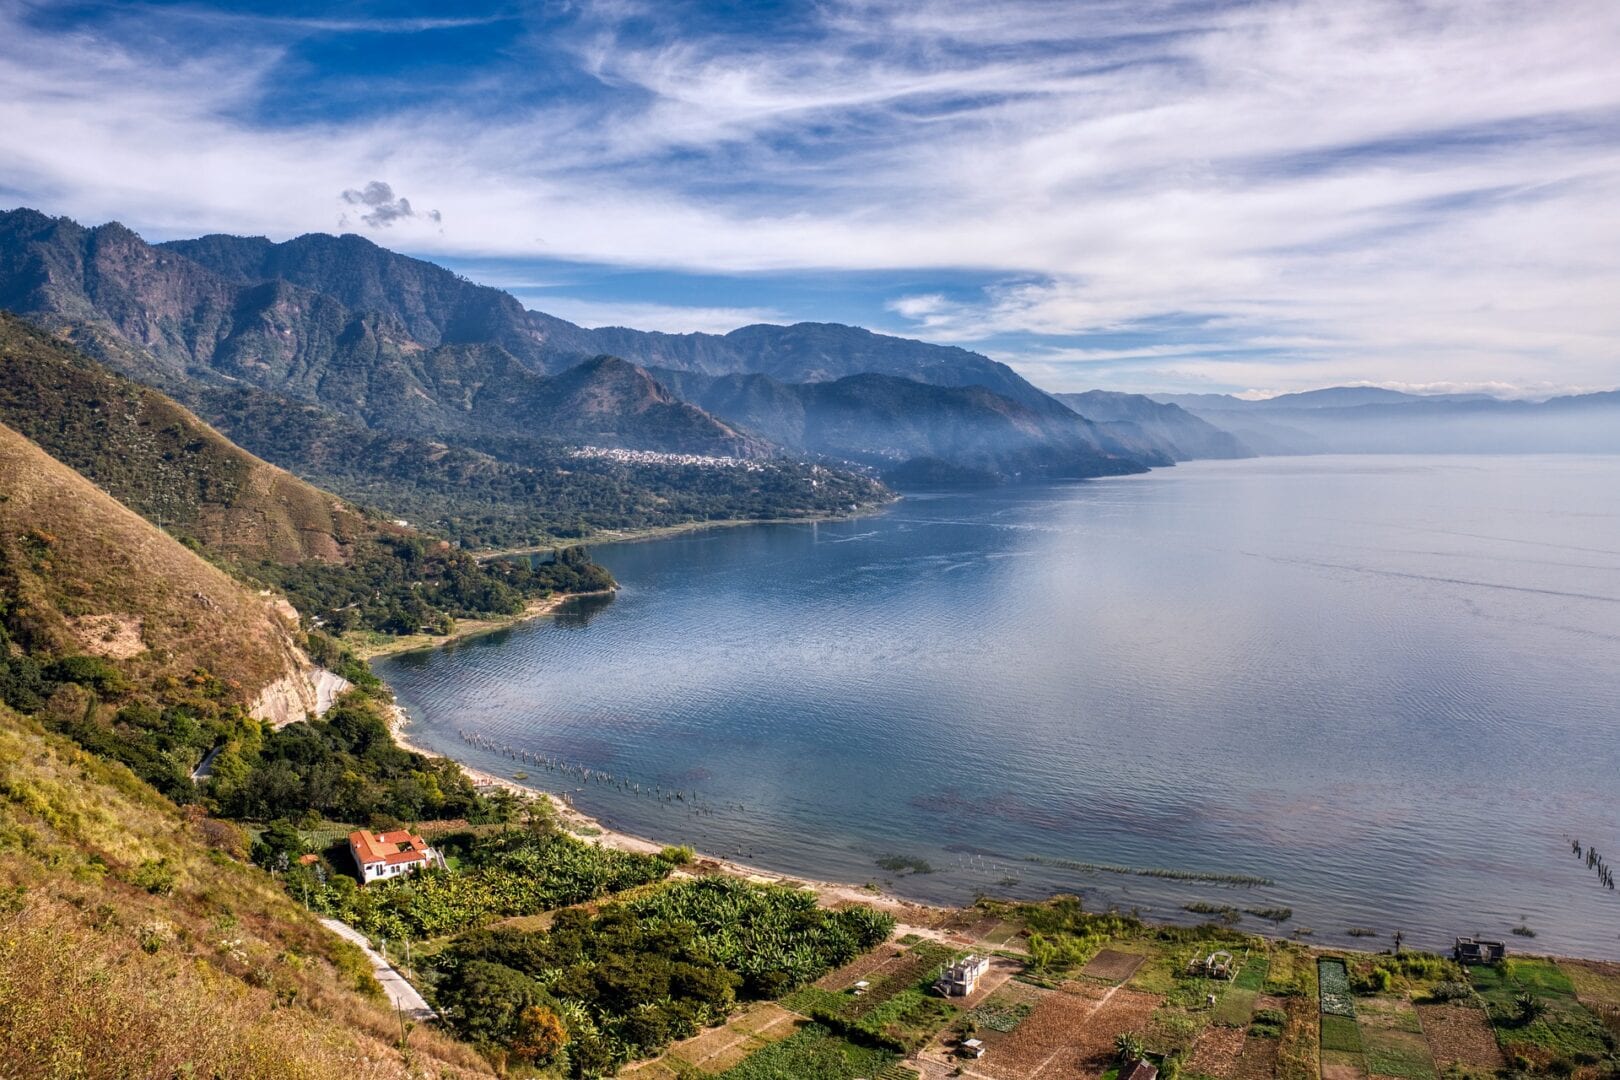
(899, 424)
(81, 574)
(136, 942)
(156, 456)
(1169, 427)
(334, 562)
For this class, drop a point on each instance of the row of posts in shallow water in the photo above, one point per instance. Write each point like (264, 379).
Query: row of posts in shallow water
(1595, 863)
(604, 777)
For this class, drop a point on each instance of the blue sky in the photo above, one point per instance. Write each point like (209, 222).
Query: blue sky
(1133, 194)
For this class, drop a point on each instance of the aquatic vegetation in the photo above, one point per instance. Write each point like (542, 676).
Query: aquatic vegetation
(1277, 915)
(1246, 880)
(902, 864)
(1227, 912)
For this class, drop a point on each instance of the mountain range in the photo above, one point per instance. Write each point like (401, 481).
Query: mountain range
(399, 345)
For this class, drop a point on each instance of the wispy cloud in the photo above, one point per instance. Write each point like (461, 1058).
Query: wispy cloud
(670, 318)
(1403, 190)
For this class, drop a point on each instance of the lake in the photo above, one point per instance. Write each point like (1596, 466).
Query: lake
(1387, 686)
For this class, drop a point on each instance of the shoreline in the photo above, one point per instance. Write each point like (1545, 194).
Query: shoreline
(665, 532)
(589, 829)
(465, 628)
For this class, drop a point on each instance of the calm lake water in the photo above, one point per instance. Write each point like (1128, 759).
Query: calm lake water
(1391, 685)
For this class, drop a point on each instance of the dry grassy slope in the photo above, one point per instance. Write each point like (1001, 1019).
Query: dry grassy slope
(134, 942)
(82, 573)
(161, 460)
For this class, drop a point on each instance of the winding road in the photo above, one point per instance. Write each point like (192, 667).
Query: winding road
(401, 994)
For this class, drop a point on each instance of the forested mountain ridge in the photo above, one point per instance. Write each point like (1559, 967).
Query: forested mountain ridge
(337, 563)
(461, 435)
(891, 422)
(160, 317)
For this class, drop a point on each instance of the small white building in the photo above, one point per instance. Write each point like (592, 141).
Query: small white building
(386, 855)
(962, 978)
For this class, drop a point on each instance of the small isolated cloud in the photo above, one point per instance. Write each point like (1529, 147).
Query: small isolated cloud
(382, 208)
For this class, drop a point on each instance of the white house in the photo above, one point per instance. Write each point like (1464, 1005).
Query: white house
(385, 855)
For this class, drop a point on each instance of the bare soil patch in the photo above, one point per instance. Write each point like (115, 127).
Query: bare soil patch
(1458, 1035)
(1069, 1036)
(1258, 1060)
(1113, 965)
(115, 637)
(1217, 1051)
(862, 967)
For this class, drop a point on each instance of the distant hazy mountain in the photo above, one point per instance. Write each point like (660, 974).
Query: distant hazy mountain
(1180, 434)
(916, 430)
(436, 307)
(1370, 420)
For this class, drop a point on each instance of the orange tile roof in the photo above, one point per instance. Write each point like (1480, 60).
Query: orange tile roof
(389, 847)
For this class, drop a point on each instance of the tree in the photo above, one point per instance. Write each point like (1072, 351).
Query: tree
(486, 1001)
(1530, 1007)
(279, 845)
(539, 1034)
(1128, 1047)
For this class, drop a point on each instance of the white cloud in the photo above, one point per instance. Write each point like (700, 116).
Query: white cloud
(1408, 190)
(670, 318)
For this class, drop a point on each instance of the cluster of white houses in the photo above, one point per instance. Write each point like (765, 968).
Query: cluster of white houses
(383, 855)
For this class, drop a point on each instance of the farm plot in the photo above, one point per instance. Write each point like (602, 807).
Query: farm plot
(1217, 1051)
(1068, 1036)
(896, 1008)
(1258, 1060)
(1005, 1009)
(1234, 1007)
(1392, 1038)
(1564, 1027)
(1334, 981)
(1459, 1035)
(1113, 966)
(718, 1049)
(812, 1053)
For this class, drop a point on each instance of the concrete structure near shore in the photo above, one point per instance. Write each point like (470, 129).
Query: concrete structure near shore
(962, 977)
(1469, 950)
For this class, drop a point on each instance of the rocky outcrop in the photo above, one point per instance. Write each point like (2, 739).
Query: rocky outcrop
(295, 697)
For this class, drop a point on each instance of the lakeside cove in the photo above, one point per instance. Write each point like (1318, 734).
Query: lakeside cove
(877, 734)
(1062, 993)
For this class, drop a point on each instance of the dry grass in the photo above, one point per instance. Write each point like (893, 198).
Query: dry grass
(215, 973)
(69, 552)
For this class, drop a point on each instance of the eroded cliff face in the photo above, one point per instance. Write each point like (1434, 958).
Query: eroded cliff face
(293, 697)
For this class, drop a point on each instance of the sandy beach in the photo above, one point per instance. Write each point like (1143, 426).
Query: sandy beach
(369, 648)
(912, 916)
